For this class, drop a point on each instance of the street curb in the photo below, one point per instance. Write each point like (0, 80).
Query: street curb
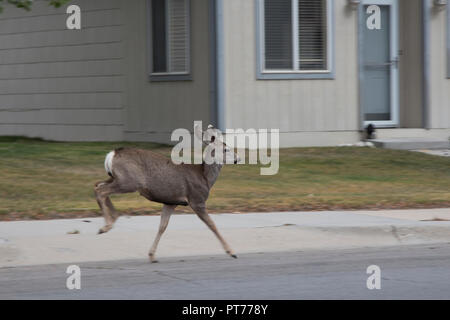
(77, 248)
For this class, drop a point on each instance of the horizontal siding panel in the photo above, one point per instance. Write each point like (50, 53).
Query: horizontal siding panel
(62, 69)
(62, 84)
(65, 132)
(65, 85)
(58, 22)
(60, 101)
(62, 117)
(41, 7)
(60, 38)
(96, 51)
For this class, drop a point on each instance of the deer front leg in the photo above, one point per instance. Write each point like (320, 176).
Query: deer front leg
(203, 215)
(165, 217)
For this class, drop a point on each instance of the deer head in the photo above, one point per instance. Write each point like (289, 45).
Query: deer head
(216, 151)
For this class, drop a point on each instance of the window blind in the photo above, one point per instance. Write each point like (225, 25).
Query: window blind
(178, 35)
(312, 34)
(170, 36)
(281, 18)
(278, 34)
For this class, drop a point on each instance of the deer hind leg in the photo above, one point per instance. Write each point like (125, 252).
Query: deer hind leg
(102, 192)
(203, 215)
(165, 217)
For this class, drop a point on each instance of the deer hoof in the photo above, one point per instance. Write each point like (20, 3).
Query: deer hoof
(104, 230)
(152, 258)
(234, 256)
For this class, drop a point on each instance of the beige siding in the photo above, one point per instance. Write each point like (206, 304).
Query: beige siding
(439, 113)
(62, 84)
(47, 56)
(293, 106)
(155, 109)
(411, 64)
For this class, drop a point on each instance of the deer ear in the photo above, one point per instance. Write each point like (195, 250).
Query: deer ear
(210, 126)
(198, 132)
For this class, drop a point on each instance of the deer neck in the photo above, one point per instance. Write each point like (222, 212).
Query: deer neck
(211, 173)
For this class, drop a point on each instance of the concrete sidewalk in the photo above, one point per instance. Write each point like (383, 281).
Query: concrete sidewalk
(48, 242)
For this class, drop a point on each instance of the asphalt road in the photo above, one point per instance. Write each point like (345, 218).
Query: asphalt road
(407, 272)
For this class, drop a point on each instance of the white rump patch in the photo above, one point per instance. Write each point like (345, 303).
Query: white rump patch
(109, 162)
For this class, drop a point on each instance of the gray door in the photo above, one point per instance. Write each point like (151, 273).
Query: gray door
(379, 62)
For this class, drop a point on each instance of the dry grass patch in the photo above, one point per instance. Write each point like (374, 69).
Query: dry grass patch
(40, 180)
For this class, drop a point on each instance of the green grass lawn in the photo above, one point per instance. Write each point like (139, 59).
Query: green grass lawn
(41, 180)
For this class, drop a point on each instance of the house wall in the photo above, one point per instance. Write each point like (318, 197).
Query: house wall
(307, 112)
(439, 111)
(411, 64)
(93, 84)
(154, 109)
(62, 84)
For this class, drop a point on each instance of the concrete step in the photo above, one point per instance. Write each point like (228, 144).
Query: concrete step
(411, 143)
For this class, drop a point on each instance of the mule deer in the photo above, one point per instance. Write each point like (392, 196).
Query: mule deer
(158, 179)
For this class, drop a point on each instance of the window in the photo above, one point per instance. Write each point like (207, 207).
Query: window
(294, 39)
(170, 40)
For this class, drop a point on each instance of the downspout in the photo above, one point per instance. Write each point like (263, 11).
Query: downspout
(220, 60)
(427, 6)
(213, 63)
(359, 23)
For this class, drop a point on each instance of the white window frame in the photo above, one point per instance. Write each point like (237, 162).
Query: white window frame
(168, 76)
(295, 73)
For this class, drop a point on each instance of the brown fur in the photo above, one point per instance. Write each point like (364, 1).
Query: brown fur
(158, 179)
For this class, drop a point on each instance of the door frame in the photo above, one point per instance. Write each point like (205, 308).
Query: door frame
(394, 72)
